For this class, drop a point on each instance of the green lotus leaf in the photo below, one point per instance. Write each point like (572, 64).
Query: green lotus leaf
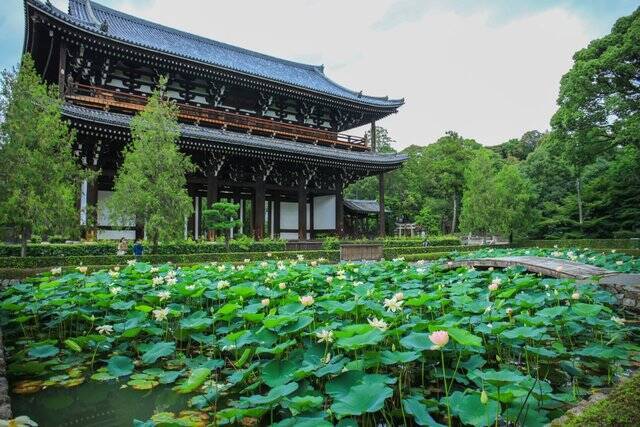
(586, 310)
(120, 366)
(398, 357)
(362, 399)
(417, 341)
(275, 394)
(196, 378)
(464, 337)
(421, 416)
(158, 350)
(43, 351)
(524, 332)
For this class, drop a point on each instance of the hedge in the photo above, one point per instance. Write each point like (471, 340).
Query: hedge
(582, 243)
(109, 248)
(34, 262)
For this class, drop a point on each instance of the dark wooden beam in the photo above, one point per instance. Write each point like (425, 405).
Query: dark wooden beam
(339, 213)
(62, 61)
(276, 214)
(381, 218)
(212, 189)
(373, 136)
(302, 212)
(258, 229)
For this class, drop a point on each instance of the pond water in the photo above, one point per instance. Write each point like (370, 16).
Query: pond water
(94, 404)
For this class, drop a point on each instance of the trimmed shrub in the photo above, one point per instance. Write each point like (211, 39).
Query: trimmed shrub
(582, 243)
(54, 261)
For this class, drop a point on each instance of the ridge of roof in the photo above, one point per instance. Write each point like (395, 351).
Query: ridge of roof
(117, 25)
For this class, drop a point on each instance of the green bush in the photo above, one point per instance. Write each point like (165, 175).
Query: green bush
(582, 243)
(626, 234)
(55, 261)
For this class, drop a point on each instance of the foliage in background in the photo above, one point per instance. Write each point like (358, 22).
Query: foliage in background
(150, 186)
(221, 216)
(39, 176)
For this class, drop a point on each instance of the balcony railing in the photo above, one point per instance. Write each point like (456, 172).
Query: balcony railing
(106, 99)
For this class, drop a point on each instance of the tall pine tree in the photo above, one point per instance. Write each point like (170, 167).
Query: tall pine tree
(39, 176)
(150, 186)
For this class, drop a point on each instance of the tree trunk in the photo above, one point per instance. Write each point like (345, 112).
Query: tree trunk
(580, 219)
(24, 236)
(226, 240)
(455, 212)
(155, 243)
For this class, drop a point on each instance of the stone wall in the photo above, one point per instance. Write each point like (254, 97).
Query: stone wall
(626, 288)
(5, 402)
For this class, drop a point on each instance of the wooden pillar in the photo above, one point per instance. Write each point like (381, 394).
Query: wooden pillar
(339, 213)
(302, 212)
(373, 136)
(92, 210)
(212, 197)
(258, 214)
(381, 219)
(238, 201)
(312, 233)
(191, 222)
(276, 214)
(62, 63)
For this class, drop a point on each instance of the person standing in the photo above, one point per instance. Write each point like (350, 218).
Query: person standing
(123, 246)
(138, 249)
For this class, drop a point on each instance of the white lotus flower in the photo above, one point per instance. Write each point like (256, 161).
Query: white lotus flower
(329, 279)
(158, 280)
(300, 257)
(393, 304)
(264, 264)
(222, 284)
(314, 263)
(154, 270)
(378, 323)
(325, 336)
(321, 259)
(160, 314)
(221, 268)
(190, 287)
(114, 274)
(105, 329)
(619, 262)
(82, 269)
(171, 280)
(56, 270)
(282, 286)
(399, 296)
(269, 254)
(575, 295)
(618, 320)
(115, 290)
(265, 302)
(247, 260)
(131, 262)
(164, 295)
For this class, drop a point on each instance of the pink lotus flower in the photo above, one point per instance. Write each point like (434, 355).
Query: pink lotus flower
(493, 287)
(306, 300)
(439, 339)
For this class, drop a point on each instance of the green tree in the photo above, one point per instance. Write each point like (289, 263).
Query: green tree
(442, 167)
(599, 107)
(479, 209)
(221, 216)
(514, 201)
(149, 187)
(39, 176)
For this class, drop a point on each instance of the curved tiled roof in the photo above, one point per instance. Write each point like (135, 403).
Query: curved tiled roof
(126, 28)
(248, 141)
(363, 206)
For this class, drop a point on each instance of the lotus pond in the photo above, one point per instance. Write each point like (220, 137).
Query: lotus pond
(306, 343)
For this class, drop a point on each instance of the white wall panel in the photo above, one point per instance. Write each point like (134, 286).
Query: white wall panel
(324, 213)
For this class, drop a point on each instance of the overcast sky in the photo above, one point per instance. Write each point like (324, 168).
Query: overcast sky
(489, 70)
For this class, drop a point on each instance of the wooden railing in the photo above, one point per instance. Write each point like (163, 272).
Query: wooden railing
(106, 99)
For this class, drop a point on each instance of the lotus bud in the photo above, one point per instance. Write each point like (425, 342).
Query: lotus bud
(484, 397)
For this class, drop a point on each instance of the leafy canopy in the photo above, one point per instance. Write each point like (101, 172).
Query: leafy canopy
(39, 175)
(150, 187)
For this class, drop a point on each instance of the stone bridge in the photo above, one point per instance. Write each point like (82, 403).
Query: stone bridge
(626, 287)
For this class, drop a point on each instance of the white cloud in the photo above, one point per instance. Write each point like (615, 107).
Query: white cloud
(457, 71)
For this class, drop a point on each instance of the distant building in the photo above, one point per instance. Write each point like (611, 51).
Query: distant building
(265, 132)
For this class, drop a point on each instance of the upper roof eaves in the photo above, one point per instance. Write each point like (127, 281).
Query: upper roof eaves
(149, 35)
